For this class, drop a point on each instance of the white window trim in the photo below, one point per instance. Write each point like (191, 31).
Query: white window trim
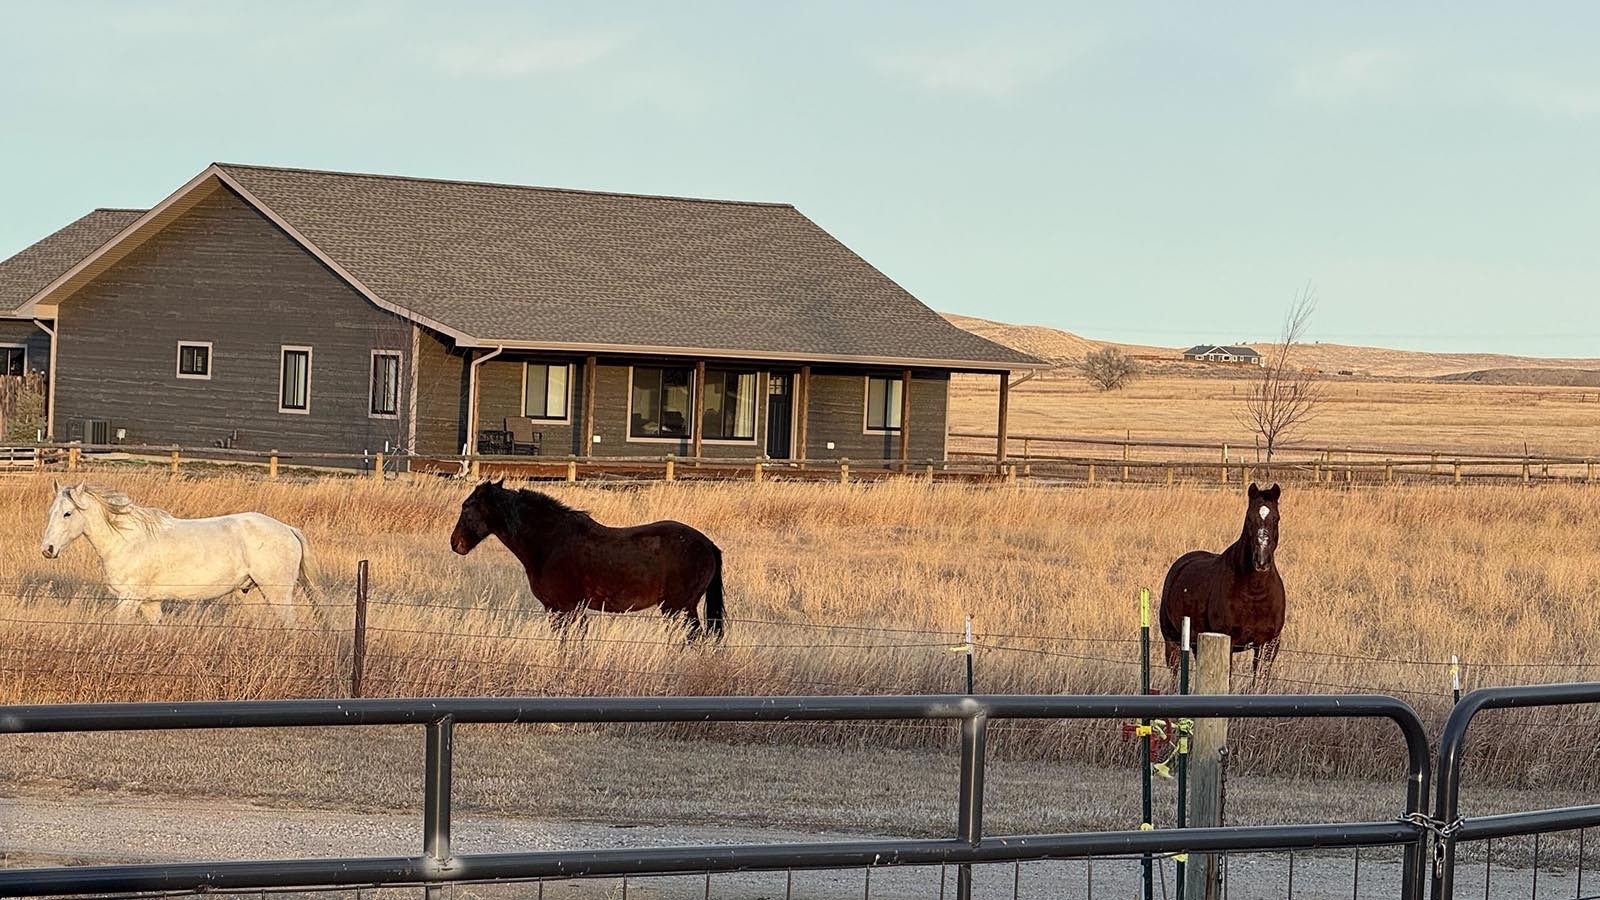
(522, 404)
(755, 439)
(177, 366)
(400, 368)
(866, 403)
(282, 352)
(627, 421)
(24, 349)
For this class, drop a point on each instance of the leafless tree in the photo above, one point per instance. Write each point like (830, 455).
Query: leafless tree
(1284, 396)
(1108, 368)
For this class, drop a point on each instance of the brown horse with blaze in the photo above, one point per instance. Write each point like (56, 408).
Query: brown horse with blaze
(575, 564)
(1237, 592)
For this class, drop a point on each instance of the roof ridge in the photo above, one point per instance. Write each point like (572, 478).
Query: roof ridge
(132, 209)
(508, 186)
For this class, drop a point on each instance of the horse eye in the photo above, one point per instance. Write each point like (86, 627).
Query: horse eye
(66, 515)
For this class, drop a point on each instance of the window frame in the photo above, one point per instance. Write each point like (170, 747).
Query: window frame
(372, 383)
(755, 410)
(866, 405)
(283, 360)
(522, 405)
(211, 358)
(9, 347)
(690, 417)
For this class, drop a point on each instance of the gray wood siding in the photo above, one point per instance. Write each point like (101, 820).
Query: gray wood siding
(36, 342)
(838, 414)
(441, 396)
(222, 273)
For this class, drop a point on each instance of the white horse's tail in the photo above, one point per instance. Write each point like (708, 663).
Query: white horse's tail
(303, 577)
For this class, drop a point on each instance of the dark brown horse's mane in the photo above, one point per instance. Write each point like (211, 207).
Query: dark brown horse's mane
(523, 504)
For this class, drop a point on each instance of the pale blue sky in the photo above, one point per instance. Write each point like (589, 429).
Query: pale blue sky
(1167, 174)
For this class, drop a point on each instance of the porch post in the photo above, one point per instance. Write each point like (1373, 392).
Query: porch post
(905, 415)
(1005, 404)
(50, 381)
(472, 403)
(803, 402)
(699, 404)
(590, 366)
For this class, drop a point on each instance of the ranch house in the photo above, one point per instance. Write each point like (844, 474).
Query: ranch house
(321, 312)
(1246, 356)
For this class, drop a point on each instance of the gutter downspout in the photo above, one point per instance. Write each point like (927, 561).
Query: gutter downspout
(50, 398)
(472, 400)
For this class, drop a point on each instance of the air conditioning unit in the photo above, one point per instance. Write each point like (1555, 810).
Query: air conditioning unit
(96, 431)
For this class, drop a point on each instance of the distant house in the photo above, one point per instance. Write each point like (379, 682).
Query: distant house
(264, 308)
(1222, 354)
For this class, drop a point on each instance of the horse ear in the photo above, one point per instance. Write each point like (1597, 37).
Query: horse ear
(1273, 493)
(1254, 491)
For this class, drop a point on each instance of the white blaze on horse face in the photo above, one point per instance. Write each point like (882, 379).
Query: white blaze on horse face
(1265, 511)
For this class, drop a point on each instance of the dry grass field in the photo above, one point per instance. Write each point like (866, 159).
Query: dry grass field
(1404, 416)
(864, 589)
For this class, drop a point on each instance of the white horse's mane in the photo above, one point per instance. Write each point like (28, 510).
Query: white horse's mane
(124, 515)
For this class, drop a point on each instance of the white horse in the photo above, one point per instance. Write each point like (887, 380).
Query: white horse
(149, 555)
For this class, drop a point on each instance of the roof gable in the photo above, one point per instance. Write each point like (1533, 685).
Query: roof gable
(36, 266)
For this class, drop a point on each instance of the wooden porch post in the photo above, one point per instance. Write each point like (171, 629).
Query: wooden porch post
(589, 374)
(699, 403)
(1005, 408)
(803, 402)
(905, 415)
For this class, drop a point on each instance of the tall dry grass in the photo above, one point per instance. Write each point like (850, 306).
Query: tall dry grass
(864, 590)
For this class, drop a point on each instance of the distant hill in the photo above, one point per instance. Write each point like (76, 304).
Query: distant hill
(1061, 347)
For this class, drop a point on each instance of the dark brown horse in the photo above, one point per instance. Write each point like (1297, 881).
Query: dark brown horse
(1237, 592)
(575, 564)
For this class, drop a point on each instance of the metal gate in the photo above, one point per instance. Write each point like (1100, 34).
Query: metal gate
(437, 865)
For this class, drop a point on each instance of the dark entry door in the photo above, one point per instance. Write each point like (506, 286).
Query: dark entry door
(780, 415)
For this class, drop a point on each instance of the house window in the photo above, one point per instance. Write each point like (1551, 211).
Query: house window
(13, 361)
(194, 359)
(883, 403)
(660, 403)
(294, 380)
(545, 391)
(384, 392)
(730, 413)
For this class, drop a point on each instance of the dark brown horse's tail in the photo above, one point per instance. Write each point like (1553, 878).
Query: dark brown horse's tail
(714, 598)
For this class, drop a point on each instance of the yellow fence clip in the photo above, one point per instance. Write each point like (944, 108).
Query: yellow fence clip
(1146, 826)
(1181, 857)
(965, 647)
(1144, 607)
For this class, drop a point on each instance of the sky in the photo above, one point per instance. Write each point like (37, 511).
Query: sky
(1155, 173)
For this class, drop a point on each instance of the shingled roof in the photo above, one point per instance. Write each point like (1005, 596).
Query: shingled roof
(530, 266)
(35, 266)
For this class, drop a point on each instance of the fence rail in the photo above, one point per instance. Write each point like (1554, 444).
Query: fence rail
(958, 466)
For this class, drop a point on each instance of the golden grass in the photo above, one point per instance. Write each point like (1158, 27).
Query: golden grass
(1408, 416)
(860, 589)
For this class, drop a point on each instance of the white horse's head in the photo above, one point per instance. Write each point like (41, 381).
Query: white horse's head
(67, 519)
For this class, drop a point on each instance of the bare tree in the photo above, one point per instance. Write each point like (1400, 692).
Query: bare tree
(1284, 396)
(1108, 367)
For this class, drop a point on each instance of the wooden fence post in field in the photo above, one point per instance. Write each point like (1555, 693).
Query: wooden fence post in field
(1213, 661)
(377, 467)
(844, 470)
(1458, 471)
(1388, 471)
(572, 469)
(1125, 461)
(1011, 474)
(174, 462)
(1433, 464)
(1224, 463)
(758, 471)
(72, 458)
(358, 649)
(1091, 473)
(672, 467)
(1526, 471)
(272, 465)
(1588, 470)
(1169, 476)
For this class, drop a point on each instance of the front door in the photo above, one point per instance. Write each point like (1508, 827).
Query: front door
(780, 415)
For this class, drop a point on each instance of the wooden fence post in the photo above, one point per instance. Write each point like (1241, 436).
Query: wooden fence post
(758, 471)
(1169, 476)
(1588, 470)
(1213, 661)
(1125, 462)
(1224, 463)
(377, 467)
(358, 650)
(1458, 471)
(930, 471)
(672, 466)
(572, 470)
(1388, 471)
(1091, 473)
(272, 465)
(174, 462)
(1527, 473)
(844, 470)
(73, 456)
